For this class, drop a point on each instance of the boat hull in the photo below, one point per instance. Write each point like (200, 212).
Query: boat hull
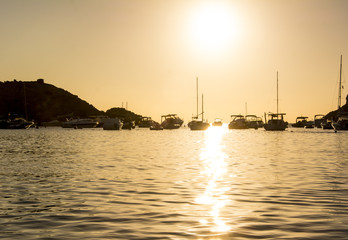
(156, 128)
(275, 126)
(238, 125)
(199, 126)
(234, 126)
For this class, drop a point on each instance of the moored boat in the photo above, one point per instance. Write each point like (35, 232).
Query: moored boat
(301, 122)
(112, 124)
(276, 120)
(196, 123)
(16, 123)
(128, 124)
(326, 124)
(341, 122)
(309, 124)
(217, 122)
(171, 121)
(145, 122)
(156, 126)
(80, 123)
(253, 121)
(238, 122)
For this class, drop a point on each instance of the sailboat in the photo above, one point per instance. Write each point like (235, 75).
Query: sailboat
(341, 121)
(276, 121)
(16, 122)
(196, 123)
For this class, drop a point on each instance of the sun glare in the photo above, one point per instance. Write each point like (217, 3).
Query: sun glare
(214, 26)
(215, 170)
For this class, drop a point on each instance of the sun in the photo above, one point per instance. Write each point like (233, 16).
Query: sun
(213, 26)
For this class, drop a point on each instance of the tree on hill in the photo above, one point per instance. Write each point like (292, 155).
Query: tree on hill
(123, 114)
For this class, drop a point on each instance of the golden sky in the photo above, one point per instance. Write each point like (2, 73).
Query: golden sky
(149, 52)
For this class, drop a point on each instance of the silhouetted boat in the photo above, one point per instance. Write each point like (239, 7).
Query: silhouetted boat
(318, 119)
(80, 123)
(171, 121)
(217, 122)
(156, 126)
(326, 124)
(112, 124)
(196, 123)
(310, 124)
(260, 123)
(340, 122)
(16, 123)
(129, 125)
(238, 122)
(145, 122)
(301, 122)
(253, 121)
(276, 121)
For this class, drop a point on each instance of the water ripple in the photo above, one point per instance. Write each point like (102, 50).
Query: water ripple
(95, 184)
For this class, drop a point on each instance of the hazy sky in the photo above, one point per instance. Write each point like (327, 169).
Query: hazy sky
(149, 52)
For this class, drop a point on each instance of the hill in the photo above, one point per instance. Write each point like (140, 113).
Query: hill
(43, 102)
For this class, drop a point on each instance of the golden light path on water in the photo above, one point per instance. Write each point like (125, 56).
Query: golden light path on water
(215, 170)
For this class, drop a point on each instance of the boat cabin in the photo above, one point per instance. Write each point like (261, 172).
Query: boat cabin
(276, 117)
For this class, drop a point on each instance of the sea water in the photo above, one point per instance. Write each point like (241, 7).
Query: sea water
(173, 184)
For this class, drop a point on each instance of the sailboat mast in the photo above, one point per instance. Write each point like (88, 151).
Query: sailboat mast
(340, 86)
(25, 103)
(202, 109)
(197, 94)
(277, 92)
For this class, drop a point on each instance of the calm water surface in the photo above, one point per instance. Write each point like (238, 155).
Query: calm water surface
(180, 184)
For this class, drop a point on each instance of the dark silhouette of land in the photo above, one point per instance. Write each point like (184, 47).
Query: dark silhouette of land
(42, 102)
(333, 114)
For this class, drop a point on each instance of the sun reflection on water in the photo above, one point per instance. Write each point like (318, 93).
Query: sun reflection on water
(215, 170)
